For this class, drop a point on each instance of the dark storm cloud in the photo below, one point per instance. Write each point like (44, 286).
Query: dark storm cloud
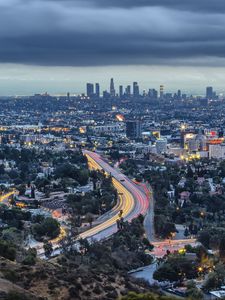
(97, 32)
(190, 5)
(193, 5)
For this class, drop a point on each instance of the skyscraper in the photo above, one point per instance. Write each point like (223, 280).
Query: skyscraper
(112, 88)
(97, 90)
(90, 89)
(135, 89)
(161, 93)
(209, 92)
(153, 94)
(121, 91)
(128, 90)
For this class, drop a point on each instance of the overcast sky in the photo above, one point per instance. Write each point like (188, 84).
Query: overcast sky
(58, 45)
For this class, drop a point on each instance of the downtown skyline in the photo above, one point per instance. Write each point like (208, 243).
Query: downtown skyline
(154, 42)
(24, 81)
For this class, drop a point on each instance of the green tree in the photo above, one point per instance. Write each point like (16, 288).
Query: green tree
(48, 248)
(90, 218)
(175, 268)
(7, 250)
(193, 292)
(49, 227)
(222, 248)
(215, 279)
(30, 258)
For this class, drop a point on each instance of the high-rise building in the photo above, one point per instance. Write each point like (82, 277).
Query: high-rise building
(179, 95)
(112, 88)
(133, 129)
(135, 89)
(97, 90)
(161, 91)
(90, 89)
(128, 90)
(121, 91)
(209, 92)
(153, 94)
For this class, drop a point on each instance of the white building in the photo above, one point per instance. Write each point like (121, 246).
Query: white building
(110, 128)
(217, 151)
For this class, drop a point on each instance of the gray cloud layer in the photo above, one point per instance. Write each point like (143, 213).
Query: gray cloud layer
(112, 32)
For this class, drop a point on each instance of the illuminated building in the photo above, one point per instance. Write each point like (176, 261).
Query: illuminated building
(195, 142)
(110, 128)
(185, 137)
(202, 142)
(83, 129)
(120, 118)
(193, 145)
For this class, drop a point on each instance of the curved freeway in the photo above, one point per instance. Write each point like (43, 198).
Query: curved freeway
(132, 200)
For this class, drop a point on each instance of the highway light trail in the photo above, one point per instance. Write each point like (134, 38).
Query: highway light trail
(132, 201)
(6, 196)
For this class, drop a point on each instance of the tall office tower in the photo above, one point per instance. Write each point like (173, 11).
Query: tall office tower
(161, 91)
(121, 91)
(90, 89)
(135, 89)
(153, 94)
(128, 90)
(112, 88)
(68, 96)
(179, 95)
(133, 129)
(97, 90)
(209, 92)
